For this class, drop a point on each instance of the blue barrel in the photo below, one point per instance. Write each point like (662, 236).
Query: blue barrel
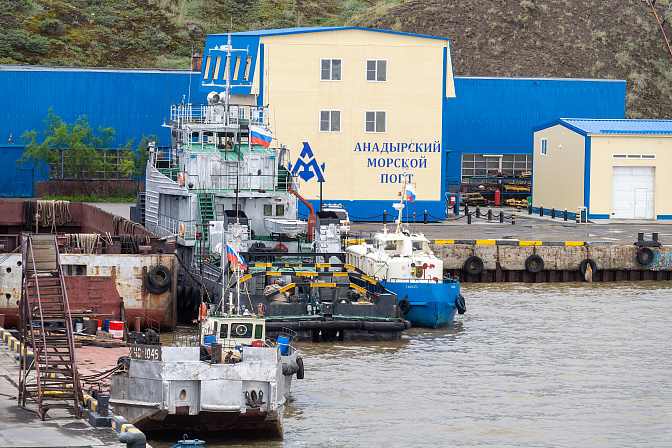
(107, 325)
(283, 342)
(209, 340)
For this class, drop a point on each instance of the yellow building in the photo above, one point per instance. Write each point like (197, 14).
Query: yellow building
(615, 168)
(361, 109)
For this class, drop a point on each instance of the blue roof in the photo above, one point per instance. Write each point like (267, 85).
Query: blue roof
(319, 29)
(588, 126)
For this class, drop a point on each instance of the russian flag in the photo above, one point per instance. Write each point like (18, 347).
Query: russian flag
(260, 136)
(410, 193)
(235, 258)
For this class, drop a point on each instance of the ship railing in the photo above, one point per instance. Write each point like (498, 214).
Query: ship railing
(217, 114)
(413, 280)
(246, 182)
(167, 225)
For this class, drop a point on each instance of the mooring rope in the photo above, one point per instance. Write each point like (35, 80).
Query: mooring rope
(86, 242)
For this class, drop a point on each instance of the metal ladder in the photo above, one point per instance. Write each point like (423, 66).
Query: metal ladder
(45, 327)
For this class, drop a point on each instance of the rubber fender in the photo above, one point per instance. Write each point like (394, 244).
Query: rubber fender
(153, 289)
(301, 373)
(159, 276)
(404, 305)
(584, 265)
(644, 255)
(460, 304)
(473, 265)
(534, 264)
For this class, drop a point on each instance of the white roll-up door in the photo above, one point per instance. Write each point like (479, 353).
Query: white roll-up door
(632, 192)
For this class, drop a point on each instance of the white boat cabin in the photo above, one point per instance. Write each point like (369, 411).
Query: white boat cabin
(234, 331)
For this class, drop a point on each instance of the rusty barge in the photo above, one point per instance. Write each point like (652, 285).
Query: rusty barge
(113, 268)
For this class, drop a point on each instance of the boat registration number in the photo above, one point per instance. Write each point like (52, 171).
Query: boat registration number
(146, 352)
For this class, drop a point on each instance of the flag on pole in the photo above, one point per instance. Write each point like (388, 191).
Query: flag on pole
(260, 136)
(235, 258)
(410, 193)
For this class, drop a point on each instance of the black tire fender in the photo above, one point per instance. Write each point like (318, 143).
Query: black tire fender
(153, 289)
(300, 374)
(534, 264)
(473, 265)
(460, 304)
(404, 305)
(159, 276)
(644, 255)
(584, 265)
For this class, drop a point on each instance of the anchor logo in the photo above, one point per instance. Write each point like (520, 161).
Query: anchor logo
(306, 166)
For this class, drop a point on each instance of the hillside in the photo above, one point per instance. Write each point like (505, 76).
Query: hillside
(522, 38)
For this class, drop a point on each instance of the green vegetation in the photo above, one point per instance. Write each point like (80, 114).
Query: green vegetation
(131, 197)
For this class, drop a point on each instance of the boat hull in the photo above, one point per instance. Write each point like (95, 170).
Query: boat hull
(432, 305)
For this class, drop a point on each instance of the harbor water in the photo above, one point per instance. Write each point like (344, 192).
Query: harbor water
(529, 365)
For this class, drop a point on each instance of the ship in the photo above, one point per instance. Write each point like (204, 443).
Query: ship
(404, 263)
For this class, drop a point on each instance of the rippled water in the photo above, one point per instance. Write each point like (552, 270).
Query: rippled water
(528, 365)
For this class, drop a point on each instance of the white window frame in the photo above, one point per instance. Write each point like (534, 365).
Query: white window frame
(544, 146)
(331, 69)
(633, 156)
(330, 111)
(375, 121)
(375, 71)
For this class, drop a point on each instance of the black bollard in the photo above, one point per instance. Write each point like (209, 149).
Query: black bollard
(529, 209)
(425, 222)
(489, 214)
(513, 218)
(466, 209)
(541, 210)
(553, 213)
(384, 217)
(478, 212)
(501, 217)
(565, 217)
(654, 237)
(468, 218)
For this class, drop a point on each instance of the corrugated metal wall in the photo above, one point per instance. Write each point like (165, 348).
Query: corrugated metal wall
(133, 102)
(16, 181)
(497, 115)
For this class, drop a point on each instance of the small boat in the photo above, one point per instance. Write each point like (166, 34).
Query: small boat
(403, 263)
(232, 378)
(282, 226)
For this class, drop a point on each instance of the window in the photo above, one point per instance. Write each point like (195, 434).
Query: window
(248, 65)
(375, 120)
(279, 210)
(376, 70)
(480, 165)
(633, 156)
(268, 209)
(241, 330)
(331, 70)
(224, 331)
(258, 331)
(544, 144)
(330, 121)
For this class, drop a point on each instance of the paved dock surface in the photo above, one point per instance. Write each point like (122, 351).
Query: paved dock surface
(529, 228)
(22, 428)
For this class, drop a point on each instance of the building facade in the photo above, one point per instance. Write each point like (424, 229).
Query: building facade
(619, 169)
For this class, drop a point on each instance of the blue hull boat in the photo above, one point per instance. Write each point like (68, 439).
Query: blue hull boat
(430, 304)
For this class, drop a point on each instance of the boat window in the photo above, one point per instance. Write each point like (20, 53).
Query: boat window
(194, 137)
(224, 331)
(208, 137)
(390, 245)
(268, 209)
(241, 330)
(279, 210)
(258, 331)
(418, 245)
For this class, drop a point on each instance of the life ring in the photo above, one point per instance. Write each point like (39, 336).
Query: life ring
(182, 230)
(281, 247)
(201, 313)
(645, 256)
(460, 304)
(473, 265)
(534, 264)
(300, 373)
(584, 265)
(180, 179)
(404, 305)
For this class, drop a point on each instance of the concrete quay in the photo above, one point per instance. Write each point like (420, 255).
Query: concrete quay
(22, 428)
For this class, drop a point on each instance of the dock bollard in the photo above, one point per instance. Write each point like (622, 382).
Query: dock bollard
(489, 214)
(133, 439)
(513, 218)
(425, 221)
(501, 217)
(565, 216)
(384, 217)
(104, 405)
(466, 209)
(553, 213)
(478, 212)
(578, 216)
(469, 218)
(541, 210)
(529, 208)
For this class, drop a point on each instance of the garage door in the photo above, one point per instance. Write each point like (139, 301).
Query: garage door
(632, 192)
